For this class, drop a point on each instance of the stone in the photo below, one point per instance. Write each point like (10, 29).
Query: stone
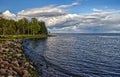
(10, 68)
(9, 73)
(27, 64)
(1, 51)
(14, 72)
(2, 76)
(19, 51)
(2, 71)
(2, 65)
(10, 76)
(6, 66)
(1, 60)
(17, 69)
(5, 63)
(31, 66)
(25, 73)
(7, 50)
(15, 63)
(19, 55)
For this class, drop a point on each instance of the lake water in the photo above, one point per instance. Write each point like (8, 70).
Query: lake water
(76, 55)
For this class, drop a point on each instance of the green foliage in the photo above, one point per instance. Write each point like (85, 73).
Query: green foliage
(22, 26)
(43, 29)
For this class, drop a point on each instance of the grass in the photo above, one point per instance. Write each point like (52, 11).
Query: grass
(12, 37)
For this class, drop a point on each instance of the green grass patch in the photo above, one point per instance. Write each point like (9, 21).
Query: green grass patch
(12, 37)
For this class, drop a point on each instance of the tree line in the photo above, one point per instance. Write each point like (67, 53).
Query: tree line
(22, 26)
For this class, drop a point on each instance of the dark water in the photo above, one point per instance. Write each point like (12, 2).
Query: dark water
(76, 55)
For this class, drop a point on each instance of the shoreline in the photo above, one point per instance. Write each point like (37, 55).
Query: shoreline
(14, 62)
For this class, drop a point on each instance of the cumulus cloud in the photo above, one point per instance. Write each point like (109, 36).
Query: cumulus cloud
(7, 14)
(58, 20)
(51, 14)
(47, 11)
(98, 21)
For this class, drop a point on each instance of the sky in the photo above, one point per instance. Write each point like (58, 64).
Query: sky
(68, 16)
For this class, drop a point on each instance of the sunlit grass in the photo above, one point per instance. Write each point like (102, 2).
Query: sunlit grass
(11, 37)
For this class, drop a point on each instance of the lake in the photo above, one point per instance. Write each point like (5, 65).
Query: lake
(76, 55)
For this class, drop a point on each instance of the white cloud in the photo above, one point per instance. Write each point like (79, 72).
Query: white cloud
(47, 11)
(65, 6)
(58, 20)
(75, 3)
(7, 14)
(51, 14)
(102, 21)
(44, 11)
(96, 10)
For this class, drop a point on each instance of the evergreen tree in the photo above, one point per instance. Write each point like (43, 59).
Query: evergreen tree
(43, 29)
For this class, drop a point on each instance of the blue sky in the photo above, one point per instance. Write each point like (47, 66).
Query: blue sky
(79, 16)
(18, 5)
(85, 6)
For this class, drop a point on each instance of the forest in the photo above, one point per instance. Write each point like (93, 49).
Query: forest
(22, 27)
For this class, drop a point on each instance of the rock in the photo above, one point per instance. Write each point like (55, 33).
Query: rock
(10, 76)
(17, 69)
(5, 63)
(27, 64)
(25, 76)
(1, 60)
(20, 62)
(10, 52)
(1, 51)
(14, 72)
(15, 63)
(19, 51)
(6, 66)
(9, 73)
(2, 76)
(31, 66)
(10, 68)
(25, 73)
(19, 55)
(7, 50)
(2, 71)
(1, 65)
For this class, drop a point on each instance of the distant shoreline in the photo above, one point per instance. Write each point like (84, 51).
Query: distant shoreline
(104, 34)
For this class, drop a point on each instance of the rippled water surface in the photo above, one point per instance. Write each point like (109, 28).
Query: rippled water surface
(76, 55)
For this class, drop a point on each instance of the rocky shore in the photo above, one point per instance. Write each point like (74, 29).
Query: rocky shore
(13, 62)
